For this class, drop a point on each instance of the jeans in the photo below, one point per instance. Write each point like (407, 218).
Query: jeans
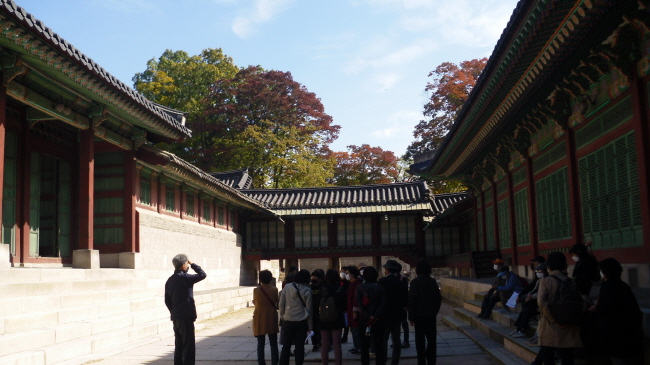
(185, 348)
(377, 332)
(405, 329)
(355, 337)
(293, 332)
(425, 340)
(488, 304)
(335, 337)
(273, 342)
(393, 329)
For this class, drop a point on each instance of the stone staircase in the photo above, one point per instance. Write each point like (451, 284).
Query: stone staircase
(70, 316)
(490, 334)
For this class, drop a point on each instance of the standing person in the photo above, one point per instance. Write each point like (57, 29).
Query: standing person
(352, 308)
(620, 328)
(295, 311)
(345, 284)
(586, 270)
(395, 309)
(331, 309)
(179, 299)
(265, 317)
(316, 284)
(290, 276)
(423, 307)
(553, 336)
(371, 301)
(404, 279)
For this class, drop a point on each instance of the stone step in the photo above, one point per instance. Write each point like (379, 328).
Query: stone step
(54, 288)
(55, 353)
(28, 321)
(499, 333)
(506, 319)
(499, 354)
(21, 305)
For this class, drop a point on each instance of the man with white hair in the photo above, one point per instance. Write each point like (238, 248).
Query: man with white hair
(179, 299)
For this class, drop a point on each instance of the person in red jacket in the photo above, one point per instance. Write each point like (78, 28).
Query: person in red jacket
(352, 309)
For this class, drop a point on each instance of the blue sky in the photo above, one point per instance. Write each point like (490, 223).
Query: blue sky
(367, 60)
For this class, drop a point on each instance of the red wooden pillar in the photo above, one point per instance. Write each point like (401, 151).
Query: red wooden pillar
(495, 218)
(215, 213)
(161, 193)
(131, 182)
(86, 188)
(183, 201)
(642, 139)
(199, 205)
(26, 194)
(3, 117)
(532, 205)
(511, 217)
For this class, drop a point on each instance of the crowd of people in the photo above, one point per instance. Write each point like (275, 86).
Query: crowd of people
(331, 307)
(571, 322)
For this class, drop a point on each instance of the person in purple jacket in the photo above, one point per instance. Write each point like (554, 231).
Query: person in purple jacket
(179, 299)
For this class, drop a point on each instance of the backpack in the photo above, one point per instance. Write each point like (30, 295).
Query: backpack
(568, 305)
(328, 309)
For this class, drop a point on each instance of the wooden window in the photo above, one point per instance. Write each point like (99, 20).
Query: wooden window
(398, 230)
(504, 223)
(489, 227)
(145, 190)
(221, 217)
(206, 211)
(265, 235)
(553, 210)
(311, 233)
(10, 192)
(355, 231)
(109, 203)
(522, 220)
(170, 198)
(609, 190)
(189, 204)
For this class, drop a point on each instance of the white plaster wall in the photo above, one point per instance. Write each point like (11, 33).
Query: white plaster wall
(217, 251)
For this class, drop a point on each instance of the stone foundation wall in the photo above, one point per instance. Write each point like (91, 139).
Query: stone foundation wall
(217, 251)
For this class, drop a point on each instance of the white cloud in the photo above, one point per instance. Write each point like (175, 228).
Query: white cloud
(399, 125)
(378, 55)
(262, 11)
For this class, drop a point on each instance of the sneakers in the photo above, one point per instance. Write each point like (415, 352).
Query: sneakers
(519, 334)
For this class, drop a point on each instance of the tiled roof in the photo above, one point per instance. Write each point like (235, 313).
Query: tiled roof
(412, 196)
(228, 191)
(17, 13)
(238, 179)
(442, 202)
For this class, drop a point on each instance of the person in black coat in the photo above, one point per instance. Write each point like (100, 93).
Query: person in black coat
(424, 301)
(619, 317)
(586, 270)
(371, 302)
(395, 311)
(331, 331)
(179, 299)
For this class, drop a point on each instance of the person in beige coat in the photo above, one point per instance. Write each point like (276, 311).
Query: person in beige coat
(265, 317)
(552, 336)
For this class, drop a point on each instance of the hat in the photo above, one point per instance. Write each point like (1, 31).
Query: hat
(391, 265)
(539, 259)
(541, 267)
(498, 262)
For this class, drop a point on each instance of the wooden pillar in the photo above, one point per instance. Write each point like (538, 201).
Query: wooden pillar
(131, 182)
(419, 235)
(483, 243)
(86, 188)
(511, 217)
(26, 194)
(3, 131)
(642, 139)
(495, 206)
(198, 203)
(215, 213)
(183, 201)
(162, 188)
(335, 263)
(376, 262)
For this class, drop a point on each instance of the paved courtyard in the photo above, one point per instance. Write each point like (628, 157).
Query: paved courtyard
(228, 340)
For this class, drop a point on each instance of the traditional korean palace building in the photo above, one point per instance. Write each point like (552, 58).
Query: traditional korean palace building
(553, 140)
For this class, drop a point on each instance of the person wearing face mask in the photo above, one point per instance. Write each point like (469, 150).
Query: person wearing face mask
(352, 310)
(619, 317)
(316, 284)
(498, 280)
(586, 270)
(179, 299)
(528, 300)
(344, 283)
